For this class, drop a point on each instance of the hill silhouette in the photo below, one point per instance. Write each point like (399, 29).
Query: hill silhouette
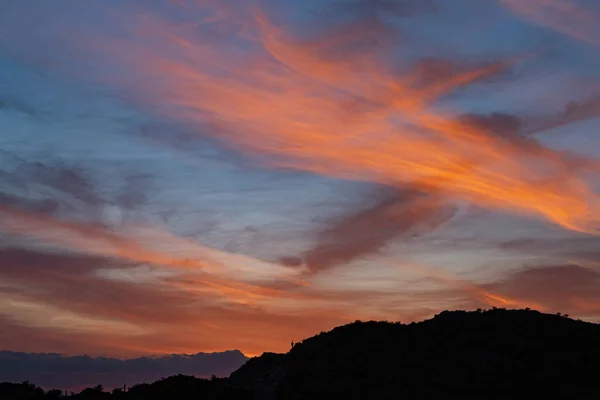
(494, 354)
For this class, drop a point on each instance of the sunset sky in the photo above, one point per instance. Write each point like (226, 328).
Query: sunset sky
(183, 176)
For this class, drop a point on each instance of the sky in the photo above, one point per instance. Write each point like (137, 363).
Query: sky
(199, 176)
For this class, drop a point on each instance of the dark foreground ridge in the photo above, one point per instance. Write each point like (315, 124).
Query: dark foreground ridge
(495, 354)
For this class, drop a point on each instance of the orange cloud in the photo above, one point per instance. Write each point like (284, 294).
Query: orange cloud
(307, 105)
(86, 238)
(210, 274)
(65, 293)
(128, 317)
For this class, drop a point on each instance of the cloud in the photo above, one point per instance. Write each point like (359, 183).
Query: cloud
(363, 25)
(570, 289)
(309, 126)
(73, 303)
(234, 277)
(103, 300)
(576, 249)
(523, 131)
(564, 16)
(398, 213)
(368, 8)
(56, 188)
(90, 298)
(71, 282)
(449, 76)
(506, 126)
(92, 239)
(574, 111)
(363, 233)
(376, 12)
(342, 95)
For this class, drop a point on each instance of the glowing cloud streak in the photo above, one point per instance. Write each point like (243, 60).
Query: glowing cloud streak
(210, 275)
(305, 106)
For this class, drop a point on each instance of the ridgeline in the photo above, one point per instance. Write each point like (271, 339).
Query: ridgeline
(493, 354)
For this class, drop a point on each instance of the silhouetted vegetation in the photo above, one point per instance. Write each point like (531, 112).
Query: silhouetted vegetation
(493, 354)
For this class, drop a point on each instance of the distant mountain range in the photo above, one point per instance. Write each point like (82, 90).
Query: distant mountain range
(494, 354)
(58, 371)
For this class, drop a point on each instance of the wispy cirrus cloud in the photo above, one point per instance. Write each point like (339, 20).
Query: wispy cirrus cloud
(572, 18)
(569, 289)
(66, 295)
(396, 214)
(312, 131)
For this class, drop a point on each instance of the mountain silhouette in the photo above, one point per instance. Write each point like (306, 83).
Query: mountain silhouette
(494, 354)
(76, 372)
